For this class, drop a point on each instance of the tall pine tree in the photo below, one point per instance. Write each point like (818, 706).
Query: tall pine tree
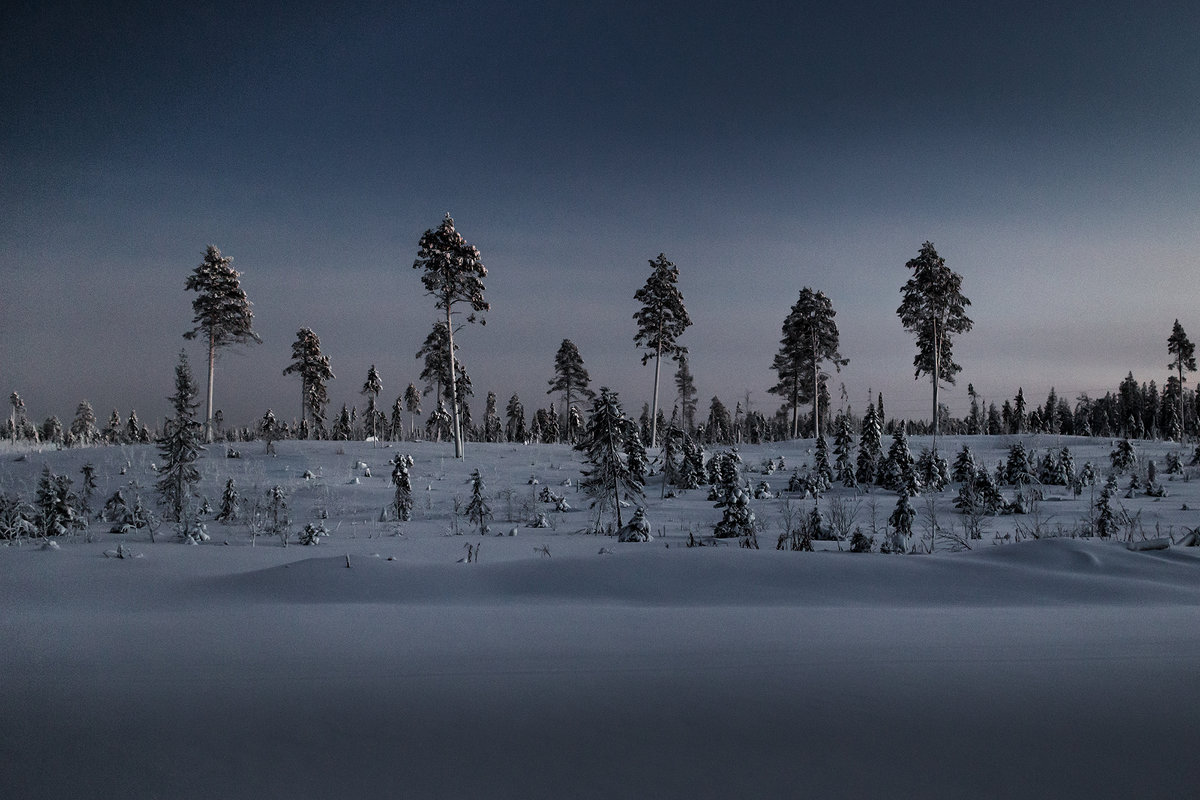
(453, 275)
(934, 308)
(222, 314)
(1183, 353)
(570, 378)
(661, 320)
(313, 368)
(810, 338)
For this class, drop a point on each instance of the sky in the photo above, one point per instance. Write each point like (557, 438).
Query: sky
(1049, 151)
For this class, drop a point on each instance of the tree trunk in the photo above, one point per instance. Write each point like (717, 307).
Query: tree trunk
(208, 411)
(936, 369)
(457, 431)
(816, 391)
(654, 405)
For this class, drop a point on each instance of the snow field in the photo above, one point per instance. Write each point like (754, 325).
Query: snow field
(1051, 668)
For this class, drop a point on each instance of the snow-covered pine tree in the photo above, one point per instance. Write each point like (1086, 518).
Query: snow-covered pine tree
(453, 275)
(1183, 353)
(180, 446)
(822, 472)
(395, 431)
(571, 379)
(899, 472)
(635, 457)
(719, 427)
(133, 427)
(52, 430)
(402, 503)
(87, 491)
(493, 430)
(1017, 468)
(478, 510)
(57, 506)
(342, 428)
(933, 308)
(371, 387)
(222, 314)
(901, 520)
(114, 430)
(83, 427)
(810, 338)
(514, 428)
(843, 451)
(661, 320)
(412, 404)
(230, 503)
(313, 368)
(870, 448)
(609, 479)
(964, 465)
(932, 470)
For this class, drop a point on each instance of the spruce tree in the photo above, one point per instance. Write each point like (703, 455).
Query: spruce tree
(899, 471)
(478, 510)
(609, 479)
(412, 404)
(843, 447)
(402, 503)
(661, 320)
(18, 414)
(570, 378)
(493, 431)
(810, 338)
(822, 472)
(230, 503)
(313, 368)
(934, 308)
(114, 431)
(180, 446)
(719, 426)
(870, 448)
(1183, 353)
(222, 314)
(514, 428)
(436, 371)
(396, 426)
(83, 427)
(57, 505)
(453, 275)
(371, 388)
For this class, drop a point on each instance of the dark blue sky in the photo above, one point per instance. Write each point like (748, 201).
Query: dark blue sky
(1049, 153)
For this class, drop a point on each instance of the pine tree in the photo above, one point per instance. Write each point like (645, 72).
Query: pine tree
(342, 428)
(114, 430)
(371, 388)
(180, 446)
(412, 404)
(899, 472)
(514, 428)
(609, 480)
(810, 338)
(870, 448)
(314, 371)
(685, 384)
(396, 427)
(661, 320)
(933, 308)
(402, 504)
(133, 428)
(822, 472)
(222, 314)
(478, 510)
(57, 505)
(492, 428)
(964, 465)
(843, 447)
(230, 503)
(570, 378)
(88, 491)
(83, 427)
(1184, 358)
(453, 275)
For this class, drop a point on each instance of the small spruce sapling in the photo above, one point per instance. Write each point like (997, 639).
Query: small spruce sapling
(478, 510)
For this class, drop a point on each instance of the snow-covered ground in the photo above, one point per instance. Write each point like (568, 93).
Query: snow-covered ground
(1055, 667)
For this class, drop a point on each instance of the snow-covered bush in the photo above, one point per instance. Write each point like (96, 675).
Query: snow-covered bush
(637, 529)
